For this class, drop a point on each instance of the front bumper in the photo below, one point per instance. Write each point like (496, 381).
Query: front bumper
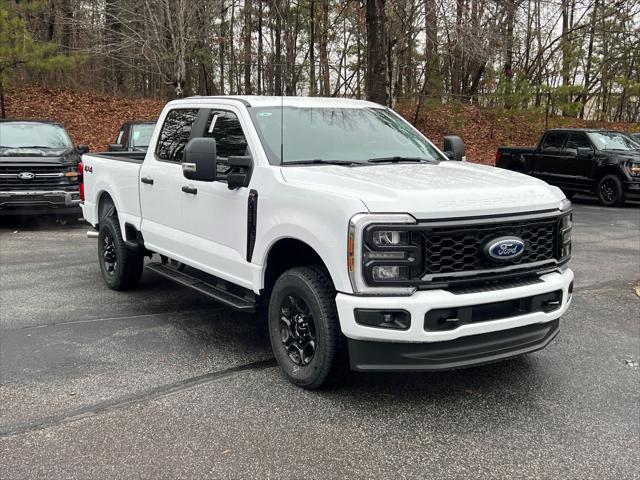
(37, 201)
(462, 352)
(418, 346)
(632, 188)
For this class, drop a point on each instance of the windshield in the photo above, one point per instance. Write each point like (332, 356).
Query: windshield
(141, 134)
(338, 135)
(30, 138)
(613, 141)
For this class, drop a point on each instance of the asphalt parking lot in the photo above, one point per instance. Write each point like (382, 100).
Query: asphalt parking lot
(160, 382)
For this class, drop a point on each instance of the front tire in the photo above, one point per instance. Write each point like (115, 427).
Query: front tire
(610, 191)
(121, 266)
(304, 328)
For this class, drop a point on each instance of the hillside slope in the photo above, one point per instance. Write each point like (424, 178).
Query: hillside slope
(94, 118)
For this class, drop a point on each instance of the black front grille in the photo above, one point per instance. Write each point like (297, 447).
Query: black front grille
(47, 177)
(456, 249)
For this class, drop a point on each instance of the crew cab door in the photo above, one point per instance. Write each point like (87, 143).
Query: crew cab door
(215, 217)
(161, 182)
(550, 159)
(580, 164)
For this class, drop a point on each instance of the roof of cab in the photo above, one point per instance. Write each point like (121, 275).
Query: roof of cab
(273, 101)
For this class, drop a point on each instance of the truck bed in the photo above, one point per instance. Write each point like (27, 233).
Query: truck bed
(118, 173)
(505, 155)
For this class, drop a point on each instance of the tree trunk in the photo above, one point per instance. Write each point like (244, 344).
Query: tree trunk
(432, 65)
(312, 49)
(510, 7)
(376, 79)
(278, 46)
(324, 56)
(248, 26)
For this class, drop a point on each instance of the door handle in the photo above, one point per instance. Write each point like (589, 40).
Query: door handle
(147, 180)
(191, 190)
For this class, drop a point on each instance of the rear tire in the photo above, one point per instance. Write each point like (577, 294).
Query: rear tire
(610, 191)
(121, 266)
(304, 328)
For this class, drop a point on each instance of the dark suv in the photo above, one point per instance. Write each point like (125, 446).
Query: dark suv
(38, 168)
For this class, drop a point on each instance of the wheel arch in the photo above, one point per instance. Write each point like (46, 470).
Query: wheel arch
(607, 169)
(286, 253)
(106, 205)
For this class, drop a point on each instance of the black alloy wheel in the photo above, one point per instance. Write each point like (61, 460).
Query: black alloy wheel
(109, 255)
(121, 266)
(297, 330)
(610, 190)
(304, 328)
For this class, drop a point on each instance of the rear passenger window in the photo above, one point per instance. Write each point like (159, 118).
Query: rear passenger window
(554, 141)
(225, 128)
(175, 133)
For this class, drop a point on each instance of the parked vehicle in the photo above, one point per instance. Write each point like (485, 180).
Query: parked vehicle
(363, 245)
(38, 168)
(603, 162)
(133, 137)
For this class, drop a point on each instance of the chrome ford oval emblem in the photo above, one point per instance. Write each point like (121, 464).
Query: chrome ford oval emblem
(26, 175)
(504, 248)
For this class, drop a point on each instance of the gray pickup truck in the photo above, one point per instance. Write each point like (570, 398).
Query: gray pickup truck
(38, 168)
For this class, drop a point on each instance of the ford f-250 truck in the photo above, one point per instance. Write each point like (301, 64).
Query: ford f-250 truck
(604, 162)
(363, 244)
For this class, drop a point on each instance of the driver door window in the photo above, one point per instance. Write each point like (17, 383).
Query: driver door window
(225, 128)
(578, 140)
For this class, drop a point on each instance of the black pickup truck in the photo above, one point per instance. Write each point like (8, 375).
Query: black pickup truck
(133, 136)
(38, 168)
(603, 162)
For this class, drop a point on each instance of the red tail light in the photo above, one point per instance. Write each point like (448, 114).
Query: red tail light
(81, 180)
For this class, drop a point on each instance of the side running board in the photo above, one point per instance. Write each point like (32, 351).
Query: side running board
(219, 291)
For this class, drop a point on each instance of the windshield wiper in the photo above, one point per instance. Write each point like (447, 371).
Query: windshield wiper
(39, 146)
(398, 159)
(320, 161)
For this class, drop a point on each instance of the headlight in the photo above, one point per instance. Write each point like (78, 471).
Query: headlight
(389, 237)
(380, 257)
(564, 228)
(72, 172)
(634, 169)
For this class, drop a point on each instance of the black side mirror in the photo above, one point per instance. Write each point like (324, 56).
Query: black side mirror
(240, 172)
(571, 151)
(584, 152)
(454, 148)
(115, 147)
(82, 149)
(200, 159)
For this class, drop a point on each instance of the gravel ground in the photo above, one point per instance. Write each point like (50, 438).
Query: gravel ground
(162, 383)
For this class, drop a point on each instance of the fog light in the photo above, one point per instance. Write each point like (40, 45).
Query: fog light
(392, 319)
(385, 273)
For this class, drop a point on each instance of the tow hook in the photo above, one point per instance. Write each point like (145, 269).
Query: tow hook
(92, 234)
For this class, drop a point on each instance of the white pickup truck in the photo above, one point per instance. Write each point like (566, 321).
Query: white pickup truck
(363, 244)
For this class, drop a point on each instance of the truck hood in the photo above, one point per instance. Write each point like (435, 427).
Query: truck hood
(68, 157)
(447, 189)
